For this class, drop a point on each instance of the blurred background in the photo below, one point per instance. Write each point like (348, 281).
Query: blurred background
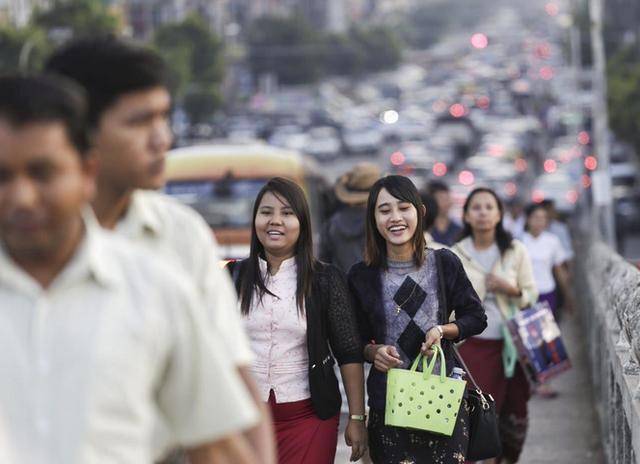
(471, 92)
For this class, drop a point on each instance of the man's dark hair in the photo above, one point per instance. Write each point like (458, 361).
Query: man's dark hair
(437, 186)
(431, 206)
(108, 67)
(45, 99)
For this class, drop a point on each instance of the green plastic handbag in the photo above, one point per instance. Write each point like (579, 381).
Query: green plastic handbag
(419, 400)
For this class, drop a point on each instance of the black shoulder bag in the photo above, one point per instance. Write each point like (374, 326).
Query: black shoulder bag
(484, 435)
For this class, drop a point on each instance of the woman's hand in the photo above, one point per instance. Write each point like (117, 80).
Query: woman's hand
(433, 337)
(355, 436)
(497, 284)
(387, 357)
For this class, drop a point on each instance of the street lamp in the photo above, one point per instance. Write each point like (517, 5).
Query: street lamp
(601, 178)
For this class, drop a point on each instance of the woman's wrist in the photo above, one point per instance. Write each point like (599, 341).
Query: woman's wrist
(370, 352)
(439, 329)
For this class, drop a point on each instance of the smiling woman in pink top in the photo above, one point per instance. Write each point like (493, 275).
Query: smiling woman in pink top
(298, 317)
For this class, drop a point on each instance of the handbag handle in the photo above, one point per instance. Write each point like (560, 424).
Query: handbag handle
(427, 366)
(444, 301)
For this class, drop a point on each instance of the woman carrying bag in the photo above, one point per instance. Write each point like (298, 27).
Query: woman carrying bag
(298, 317)
(500, 270)
(401, 314)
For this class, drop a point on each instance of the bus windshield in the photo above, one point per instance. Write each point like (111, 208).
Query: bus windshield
(223, 203)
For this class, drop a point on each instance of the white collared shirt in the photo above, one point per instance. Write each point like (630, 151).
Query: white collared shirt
(178, 234)
(546, 252)
(278, 333)
(110, 353)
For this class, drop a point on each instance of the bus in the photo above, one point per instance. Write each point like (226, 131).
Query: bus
(222, 180)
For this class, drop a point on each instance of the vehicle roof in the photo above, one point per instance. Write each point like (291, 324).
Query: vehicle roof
(242, 160)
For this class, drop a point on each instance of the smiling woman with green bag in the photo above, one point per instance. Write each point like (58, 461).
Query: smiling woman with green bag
(401, 314)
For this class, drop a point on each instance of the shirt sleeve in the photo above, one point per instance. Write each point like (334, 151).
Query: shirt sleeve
(525, 278)
(558, 254)
(463, 299)
(343, 329)
(221, 302)
(200, 395)
(362, 316)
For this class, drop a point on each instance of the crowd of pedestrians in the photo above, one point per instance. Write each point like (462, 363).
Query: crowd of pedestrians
(123, 341)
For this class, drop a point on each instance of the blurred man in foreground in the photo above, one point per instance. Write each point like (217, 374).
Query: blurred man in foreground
(129, 108)
(99, 342)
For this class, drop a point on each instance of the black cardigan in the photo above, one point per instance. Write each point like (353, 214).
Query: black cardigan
(332, 330)
(365, 285)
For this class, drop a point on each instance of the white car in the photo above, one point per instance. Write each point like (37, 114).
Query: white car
(323, 143)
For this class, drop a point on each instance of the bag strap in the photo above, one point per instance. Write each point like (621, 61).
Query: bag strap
(446, 303)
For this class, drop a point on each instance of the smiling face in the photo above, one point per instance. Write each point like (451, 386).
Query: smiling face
(277, 226)
(396, 220)
(483, 213)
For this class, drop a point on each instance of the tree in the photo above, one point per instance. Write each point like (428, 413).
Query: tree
(201, 102)
(380, 47)
(22, 49)
(286, 47)
(344, 56)
(424, 25)
(624, 96)
(77, 18)
(195, 58)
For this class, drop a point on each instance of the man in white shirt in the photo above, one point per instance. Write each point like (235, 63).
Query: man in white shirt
(129, 108)
(101, 346)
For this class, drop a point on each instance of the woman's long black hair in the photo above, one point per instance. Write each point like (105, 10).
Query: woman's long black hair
(400, 187)
(503, 237)
(252, 279)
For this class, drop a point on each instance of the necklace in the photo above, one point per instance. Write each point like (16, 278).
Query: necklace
(413, 290)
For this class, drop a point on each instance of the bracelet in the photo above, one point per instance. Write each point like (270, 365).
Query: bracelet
(440, 330)
(358, 417)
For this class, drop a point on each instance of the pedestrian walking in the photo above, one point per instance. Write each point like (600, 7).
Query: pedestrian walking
(547, 256)
(298, 316)
(342, 240)
(128, 117)
(431, 207)
(101, 344)
(514, 217)
(559, 229)
(395, 292)
(500, 269)
(445, 230)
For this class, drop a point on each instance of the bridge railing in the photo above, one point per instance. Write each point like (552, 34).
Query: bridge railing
(608, 292)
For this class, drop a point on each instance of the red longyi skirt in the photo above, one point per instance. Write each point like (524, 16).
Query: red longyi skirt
(301, 436)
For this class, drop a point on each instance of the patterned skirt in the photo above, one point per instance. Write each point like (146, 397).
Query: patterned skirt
(397, 445)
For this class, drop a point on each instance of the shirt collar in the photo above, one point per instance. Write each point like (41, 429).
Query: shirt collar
(140, 218)
(100, 264)
(287, 265)
(89, 261)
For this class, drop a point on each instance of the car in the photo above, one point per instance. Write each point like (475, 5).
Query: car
(290, 136)
(323, 143)
(362, 140)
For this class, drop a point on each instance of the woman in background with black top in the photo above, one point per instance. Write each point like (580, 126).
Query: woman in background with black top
(298, 316)
(400, 313)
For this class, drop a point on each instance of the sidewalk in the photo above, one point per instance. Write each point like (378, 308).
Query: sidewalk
(562, 430)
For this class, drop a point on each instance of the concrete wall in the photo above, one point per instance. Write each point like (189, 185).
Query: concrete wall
(608, 291)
